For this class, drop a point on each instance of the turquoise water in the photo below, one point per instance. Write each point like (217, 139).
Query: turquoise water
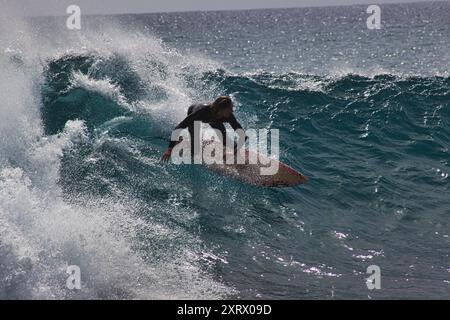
(364, 113)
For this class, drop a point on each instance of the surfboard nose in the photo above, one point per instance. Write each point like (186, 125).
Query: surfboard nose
(287, 176)
(286, 179)
(296, 179)
(303, 178)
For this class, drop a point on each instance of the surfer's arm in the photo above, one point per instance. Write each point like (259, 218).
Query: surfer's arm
(234, 123)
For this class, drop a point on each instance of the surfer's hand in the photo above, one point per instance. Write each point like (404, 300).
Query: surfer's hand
(166, 156)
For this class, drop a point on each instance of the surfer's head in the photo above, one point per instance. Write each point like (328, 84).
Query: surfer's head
(222, 107)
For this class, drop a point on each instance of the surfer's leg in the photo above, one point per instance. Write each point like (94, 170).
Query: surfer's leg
(219, 126)
(223, 137)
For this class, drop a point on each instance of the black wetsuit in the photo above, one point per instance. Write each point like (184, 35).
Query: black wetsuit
(204, 113)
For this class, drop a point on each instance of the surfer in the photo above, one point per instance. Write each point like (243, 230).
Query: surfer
(215, 114)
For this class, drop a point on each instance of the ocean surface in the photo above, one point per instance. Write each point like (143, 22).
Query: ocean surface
(365, 114)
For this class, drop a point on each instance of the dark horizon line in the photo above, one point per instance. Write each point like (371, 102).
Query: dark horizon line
(249, 9)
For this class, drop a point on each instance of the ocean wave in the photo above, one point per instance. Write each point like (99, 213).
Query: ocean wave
(51, 106)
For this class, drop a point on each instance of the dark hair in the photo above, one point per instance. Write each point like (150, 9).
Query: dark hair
(222, 102)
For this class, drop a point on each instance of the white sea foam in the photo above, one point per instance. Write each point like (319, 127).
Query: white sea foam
(103, 86)
(42, 229)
